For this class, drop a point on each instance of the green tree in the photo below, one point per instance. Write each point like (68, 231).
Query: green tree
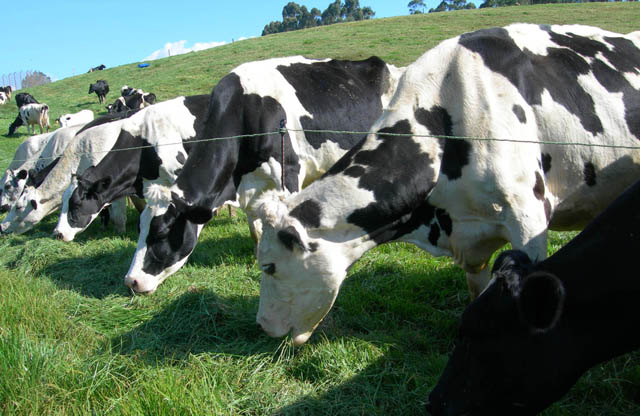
(416, 6)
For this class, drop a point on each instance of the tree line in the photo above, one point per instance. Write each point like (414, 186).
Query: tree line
(296, 17)
(418, 6)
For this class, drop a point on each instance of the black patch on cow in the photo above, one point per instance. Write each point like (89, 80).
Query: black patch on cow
(399, 174)
(36, 177)
(290, 238)
(198, 106)
(546, 162)
(355, 171)
(340, 95)
(532, 74)
(519, 112)
(455, 151)
(434, 234)
(177, 172)
(444, 220)
(181, 158)
(589, 173)
(308, 213)
(538, 188)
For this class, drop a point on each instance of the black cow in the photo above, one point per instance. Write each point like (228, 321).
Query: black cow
(97, 68)
(101, 88)
(539, 326)
(22, 98)
(253, 99)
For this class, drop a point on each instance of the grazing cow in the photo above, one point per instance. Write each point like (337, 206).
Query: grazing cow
(97, 68)
(253, 99)
(36, 157)
(122, 172)
(522, 87)
(32, 114)
(81, 117)
(22, 98)
(134, 101)
(24, 159)
(127, 90)
(90, 145)
(7, 90)
(538, 327)
(101, 88)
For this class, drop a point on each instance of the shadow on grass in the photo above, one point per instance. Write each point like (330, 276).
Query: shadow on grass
(198, 321)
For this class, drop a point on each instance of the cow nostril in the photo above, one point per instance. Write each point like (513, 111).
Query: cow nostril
(57, 235)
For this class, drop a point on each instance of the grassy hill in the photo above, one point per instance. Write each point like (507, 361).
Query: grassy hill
(73, 340)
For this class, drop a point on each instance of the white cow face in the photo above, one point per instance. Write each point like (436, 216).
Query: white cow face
(24, 214)
(13, 188)
(300, 280)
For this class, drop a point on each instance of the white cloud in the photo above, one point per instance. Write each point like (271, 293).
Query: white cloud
(177, 48)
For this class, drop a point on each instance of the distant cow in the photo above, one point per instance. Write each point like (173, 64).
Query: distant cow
(538, 327)
(81, 117)
(254, 99)
(499, 97)
(134, 101)
(22, 98)
(3, 98)
(101, 88)
(7, 90)
(97, 68)
(35, 114)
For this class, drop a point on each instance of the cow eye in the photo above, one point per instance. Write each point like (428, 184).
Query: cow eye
(269, 268)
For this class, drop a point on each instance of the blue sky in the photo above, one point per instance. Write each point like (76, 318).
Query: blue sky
(67, 37)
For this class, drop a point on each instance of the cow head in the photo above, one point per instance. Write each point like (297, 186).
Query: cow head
(165, 242)
(81, 204)
(13, 187)
(25, 213)
(301, 275)
(510, 348)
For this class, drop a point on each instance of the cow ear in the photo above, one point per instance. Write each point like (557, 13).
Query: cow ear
(22, 174)
(290, 237)
(541, 301)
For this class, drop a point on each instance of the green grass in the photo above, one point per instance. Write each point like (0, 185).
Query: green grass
(74, 341)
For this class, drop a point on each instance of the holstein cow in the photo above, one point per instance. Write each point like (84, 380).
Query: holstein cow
(253, 99)
(133, 101)
(22, 98)
(90, 145)
(539, 326)
(97, 68)
(7, 90)
(24, 158)
(3, 98)
(164, 126)
(521, 86)
(34, 114)
(101, 88)
(36, 157)
(81, 117)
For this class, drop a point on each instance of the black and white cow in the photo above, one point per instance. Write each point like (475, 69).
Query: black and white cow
(97, 68)
(34, 114)
(101, 88)
(521, 87)
(92, 142)
(36, 157)
(131, 163)
(253, 99)
(81, 117)
(538, 327)
(3, 98)
(7, 90)
(22, 98)
(136, 100)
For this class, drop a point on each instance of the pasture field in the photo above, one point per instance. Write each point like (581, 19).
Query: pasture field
(75, 341)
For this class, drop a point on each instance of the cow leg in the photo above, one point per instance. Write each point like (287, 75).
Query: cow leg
(118, 214)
